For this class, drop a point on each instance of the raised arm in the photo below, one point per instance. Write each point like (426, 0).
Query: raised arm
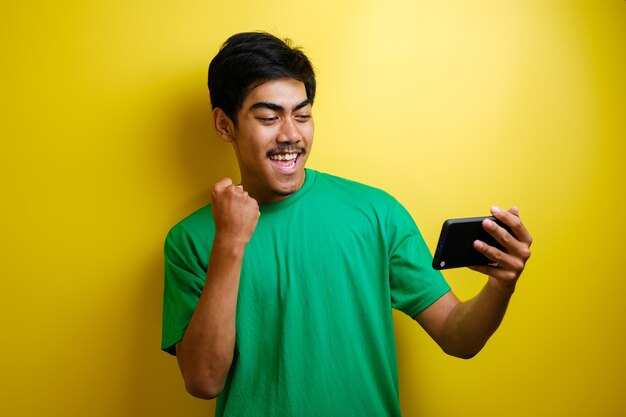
(463, 328)
(206, 352)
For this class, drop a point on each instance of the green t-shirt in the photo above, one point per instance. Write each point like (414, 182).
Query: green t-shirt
(319, 278)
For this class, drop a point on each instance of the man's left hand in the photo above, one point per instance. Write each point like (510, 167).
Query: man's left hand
(507, 265)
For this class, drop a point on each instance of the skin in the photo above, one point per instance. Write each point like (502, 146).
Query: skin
(275, 116)
(461, 329)
(275, 122)
(206, 351)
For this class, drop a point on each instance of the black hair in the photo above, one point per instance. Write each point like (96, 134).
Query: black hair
(249, 59)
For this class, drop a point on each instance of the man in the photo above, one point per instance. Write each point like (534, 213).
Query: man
(278, 295)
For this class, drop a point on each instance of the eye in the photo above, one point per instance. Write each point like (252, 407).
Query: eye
(303, 117)
(267, 120)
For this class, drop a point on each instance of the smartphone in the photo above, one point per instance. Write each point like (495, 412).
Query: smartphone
(456, 242)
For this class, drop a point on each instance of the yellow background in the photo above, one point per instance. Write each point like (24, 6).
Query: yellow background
(451, 106)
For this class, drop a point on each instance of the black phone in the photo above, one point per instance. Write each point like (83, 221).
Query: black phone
(456, 242)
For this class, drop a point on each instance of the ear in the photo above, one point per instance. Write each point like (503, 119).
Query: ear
(223, 125)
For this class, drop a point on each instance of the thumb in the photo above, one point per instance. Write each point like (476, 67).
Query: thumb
(222, 184)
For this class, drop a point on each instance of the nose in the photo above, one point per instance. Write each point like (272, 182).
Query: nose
(289, 132)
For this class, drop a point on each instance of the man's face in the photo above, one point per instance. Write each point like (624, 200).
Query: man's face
(273, 139)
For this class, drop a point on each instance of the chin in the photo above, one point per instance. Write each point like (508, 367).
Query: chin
(283, 193)
(284, 189)
(278, 187)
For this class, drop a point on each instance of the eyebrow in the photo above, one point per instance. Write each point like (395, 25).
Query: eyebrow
(276, 107)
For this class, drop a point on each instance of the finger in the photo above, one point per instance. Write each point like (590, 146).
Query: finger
(502, 236)
(222, 184)
(523, 234)
(494, 271)
(512, 260)
(511, 218)
(516, 251)
(497, 257)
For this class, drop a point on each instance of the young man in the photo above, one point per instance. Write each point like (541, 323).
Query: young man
(278, 294)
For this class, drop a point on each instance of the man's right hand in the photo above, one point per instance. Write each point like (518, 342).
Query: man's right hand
(206, 352)
(235, 213)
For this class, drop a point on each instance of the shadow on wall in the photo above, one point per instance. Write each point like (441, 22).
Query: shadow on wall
(200, 157)
(194, 158)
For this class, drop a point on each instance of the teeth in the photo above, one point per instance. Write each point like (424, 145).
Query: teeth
(284, 157)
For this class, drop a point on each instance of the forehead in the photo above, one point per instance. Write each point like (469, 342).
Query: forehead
(285, 92)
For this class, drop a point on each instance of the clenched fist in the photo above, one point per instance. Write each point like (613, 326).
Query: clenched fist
(235, 213)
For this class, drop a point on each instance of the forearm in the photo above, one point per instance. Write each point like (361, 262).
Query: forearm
(471, 323)
(206, 351)
(462, 329)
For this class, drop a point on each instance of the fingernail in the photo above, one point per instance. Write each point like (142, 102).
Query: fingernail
(495, 210)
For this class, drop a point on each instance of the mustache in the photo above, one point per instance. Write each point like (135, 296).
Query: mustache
(286, 149)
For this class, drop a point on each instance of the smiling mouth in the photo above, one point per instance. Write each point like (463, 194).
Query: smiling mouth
(285, 161)
(284, 156)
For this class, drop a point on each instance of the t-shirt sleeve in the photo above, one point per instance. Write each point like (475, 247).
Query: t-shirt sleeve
(415, 285)
(185, 275)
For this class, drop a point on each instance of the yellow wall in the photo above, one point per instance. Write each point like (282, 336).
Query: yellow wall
(450, 105)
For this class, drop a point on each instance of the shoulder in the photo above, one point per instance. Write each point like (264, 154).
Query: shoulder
(197, 225)
(352, 190)
(360, 202)
(355, 198)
